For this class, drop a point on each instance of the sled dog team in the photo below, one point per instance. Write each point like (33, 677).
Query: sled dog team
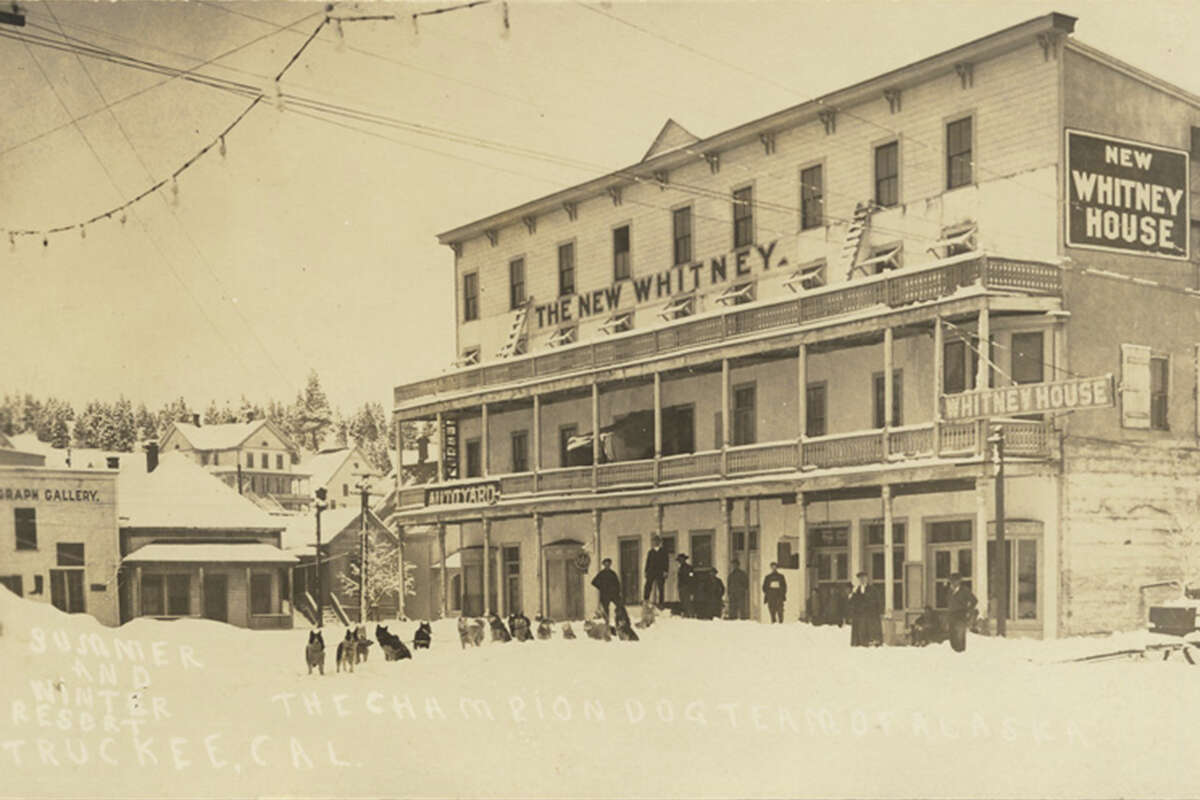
(355, 646)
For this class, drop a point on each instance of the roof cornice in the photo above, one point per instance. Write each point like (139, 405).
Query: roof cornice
(917, 72)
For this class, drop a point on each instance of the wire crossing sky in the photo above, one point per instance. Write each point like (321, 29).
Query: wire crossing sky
(305, 238)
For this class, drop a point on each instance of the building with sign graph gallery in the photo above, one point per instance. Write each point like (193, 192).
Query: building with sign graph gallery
(799, 341)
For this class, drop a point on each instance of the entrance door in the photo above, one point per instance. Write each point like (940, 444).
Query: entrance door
(564, 583)
(671, 589)
(216, 597)
(66, 590)
(629, 558)
(829, 564)
(511, 558)
(750, 563)
(948, 559)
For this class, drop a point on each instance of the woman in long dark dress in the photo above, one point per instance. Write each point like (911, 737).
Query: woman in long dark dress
(864, 622)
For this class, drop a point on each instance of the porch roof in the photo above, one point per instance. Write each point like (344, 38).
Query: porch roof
(241, 553)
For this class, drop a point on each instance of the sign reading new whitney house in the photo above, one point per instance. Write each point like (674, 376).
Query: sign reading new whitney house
(1126, 196)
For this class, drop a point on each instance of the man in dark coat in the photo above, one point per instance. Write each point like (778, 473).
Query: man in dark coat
(739, 592)
(716, 594)
(862, 606)
(960, 608)
(685, 585)
(657, 567)
(775, 592)
(609, 586)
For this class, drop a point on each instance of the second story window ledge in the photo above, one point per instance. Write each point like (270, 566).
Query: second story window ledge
(678, 307)
(956, 240)
(737, 294)
(620, 322)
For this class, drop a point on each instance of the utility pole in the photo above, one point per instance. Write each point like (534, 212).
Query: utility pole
(997, 439)
(364, 488)
(320, 504)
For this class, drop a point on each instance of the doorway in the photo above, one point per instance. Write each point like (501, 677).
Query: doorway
(829, 565)
(629, 557)
(950, 551)
(750, 563)
(216, 597)
(701, 543)
(564, 581)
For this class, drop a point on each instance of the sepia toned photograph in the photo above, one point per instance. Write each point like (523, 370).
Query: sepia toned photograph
(599, 399)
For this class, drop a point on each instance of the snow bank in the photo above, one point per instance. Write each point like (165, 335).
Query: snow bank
(197, 708)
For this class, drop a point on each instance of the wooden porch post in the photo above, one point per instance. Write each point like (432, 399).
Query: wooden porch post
(889, 389)
(657, 427)
(801, 402)
(287, 574)
(200, 611)
(249, 601)
(595, 435)
(444, 589)
(596, 544)
(726, 424)
(939, 368)
(889, 569)
(802, 544)
(137, 591)
(401, 606)
(537, 442)
(541, 560)
(983, 373)
(483, 439)
(487, 559)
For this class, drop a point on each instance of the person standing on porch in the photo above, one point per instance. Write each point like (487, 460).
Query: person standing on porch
(960, 608)
(657, 567)
(739, 592)
(609, 586)
(775, 592)
(863, 608)
(686, 585)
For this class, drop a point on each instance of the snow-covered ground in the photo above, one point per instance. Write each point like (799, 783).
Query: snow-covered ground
(694, 709)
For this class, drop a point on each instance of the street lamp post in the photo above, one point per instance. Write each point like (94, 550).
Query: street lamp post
(997, 439)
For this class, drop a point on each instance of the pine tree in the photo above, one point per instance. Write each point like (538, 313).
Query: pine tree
(176, 411)
(384, 578)
(86, 431)
(147, 427)
(314, 416)
(54, 422)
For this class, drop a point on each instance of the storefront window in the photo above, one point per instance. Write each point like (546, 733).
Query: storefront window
(179, 601)
(152, 595)
(260, 593)
(1022, 579)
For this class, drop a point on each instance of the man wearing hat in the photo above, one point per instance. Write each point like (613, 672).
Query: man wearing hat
(960, 608)
(739, 592)
(657, 567)
(686, 586)
(775, 592)
(608, 585)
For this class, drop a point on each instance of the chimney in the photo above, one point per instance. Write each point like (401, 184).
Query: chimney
(196, 420)
(422, 449)
(151, 448)
(114, 462)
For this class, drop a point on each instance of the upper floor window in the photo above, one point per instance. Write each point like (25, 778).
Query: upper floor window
(743, 217)
(516, 283)
(520, 451)
(743, 414)
(897, 394)
(812, 201)
(887, 174)
(958, 153)
(279, 461)
(25, 522)
(814, 409)
(1160, 371)
(566, 269)
(470, 296)
(250, 460)
(264, 461)
(1027, 366)
(474, 458)
(681, 225)
(622, 264)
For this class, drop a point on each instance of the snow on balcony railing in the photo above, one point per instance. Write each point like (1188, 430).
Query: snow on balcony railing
(959, 437)
(762, 457)
(911, 440)
(690, 465)
(890, 289)
(623, 473)
(844, 449)
(565, 479)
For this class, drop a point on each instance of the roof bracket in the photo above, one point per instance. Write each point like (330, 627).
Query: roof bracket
(572, 210)
(828, 119)
(893, 99)
(714, 162)
(1049, 43)
(614, 192)
(530, 224)
(662, 178)
(966, 73)
(768, 142)
(493, 236)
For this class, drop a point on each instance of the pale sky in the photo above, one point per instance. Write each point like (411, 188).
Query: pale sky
(311, 245)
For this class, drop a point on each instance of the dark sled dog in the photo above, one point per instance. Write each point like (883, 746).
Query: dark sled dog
(348, 650)
(545, 628)
(522, 629)
(567, 631)
(423, 637)
(393, 648)
(499, 631)
(625, 631)
(314, 652)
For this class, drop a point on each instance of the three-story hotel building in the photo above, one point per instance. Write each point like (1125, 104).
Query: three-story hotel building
(803, 340)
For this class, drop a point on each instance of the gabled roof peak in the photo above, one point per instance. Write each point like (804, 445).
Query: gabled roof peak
(672, 136)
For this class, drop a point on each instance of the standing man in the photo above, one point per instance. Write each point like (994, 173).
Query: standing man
(656, 570)
(609, 586)
(960, 608)
(775, 592)
(860, 606)
(686, 585)
(739, 592)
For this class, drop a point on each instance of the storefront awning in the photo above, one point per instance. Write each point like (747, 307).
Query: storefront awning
(254, 553)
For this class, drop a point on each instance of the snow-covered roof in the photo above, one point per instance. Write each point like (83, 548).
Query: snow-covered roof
(241, 553)
(321, 466)
(226, 436)
(80, 457)
(182, 494)
(301, 531)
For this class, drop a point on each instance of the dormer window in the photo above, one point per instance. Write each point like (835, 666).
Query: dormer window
(677, 307)
(956, 240)
(808, 276)
(882, 259)
(737, 294)
(618, 323)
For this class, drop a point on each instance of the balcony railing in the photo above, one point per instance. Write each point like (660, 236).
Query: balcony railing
(1023, 439)
(890, 290)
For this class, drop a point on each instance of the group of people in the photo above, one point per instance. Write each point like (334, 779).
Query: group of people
(864, 607)
(702, 593)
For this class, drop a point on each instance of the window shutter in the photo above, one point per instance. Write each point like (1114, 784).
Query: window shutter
(1135, 386)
